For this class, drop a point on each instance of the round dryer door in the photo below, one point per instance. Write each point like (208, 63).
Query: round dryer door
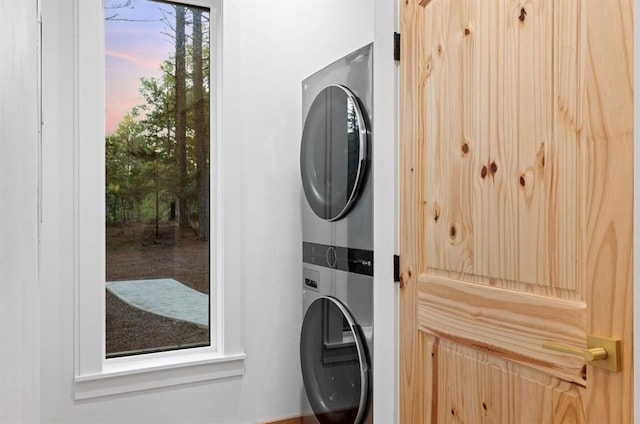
(333, 154)
(335, 366)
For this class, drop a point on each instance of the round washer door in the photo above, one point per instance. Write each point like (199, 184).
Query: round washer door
(335, 366)
(333, 154)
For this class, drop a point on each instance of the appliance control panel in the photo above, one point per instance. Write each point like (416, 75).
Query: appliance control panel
(359, 261)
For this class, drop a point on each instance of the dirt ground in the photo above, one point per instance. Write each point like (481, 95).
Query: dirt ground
(137, 251)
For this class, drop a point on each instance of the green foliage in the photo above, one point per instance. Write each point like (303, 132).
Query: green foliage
(141, 171)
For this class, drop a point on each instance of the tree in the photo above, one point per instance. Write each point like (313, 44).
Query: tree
(181, 114)
(126, 176)
(114, 5)
(160, 152)
(201, 133)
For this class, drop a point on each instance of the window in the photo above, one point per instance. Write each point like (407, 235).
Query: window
(156, 301)
(157, 177)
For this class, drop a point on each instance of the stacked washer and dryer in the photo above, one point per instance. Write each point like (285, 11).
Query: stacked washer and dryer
(336, 341)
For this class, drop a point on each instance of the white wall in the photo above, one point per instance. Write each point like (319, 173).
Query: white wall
(19, 401)
(270, 46)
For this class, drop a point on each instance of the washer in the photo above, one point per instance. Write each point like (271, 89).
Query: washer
(336, 338)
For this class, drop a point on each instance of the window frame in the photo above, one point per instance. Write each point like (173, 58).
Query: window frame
(94, 374)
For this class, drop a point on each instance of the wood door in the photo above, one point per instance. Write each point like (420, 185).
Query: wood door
(516, 209)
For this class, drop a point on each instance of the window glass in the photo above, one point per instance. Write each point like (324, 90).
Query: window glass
(157, 168)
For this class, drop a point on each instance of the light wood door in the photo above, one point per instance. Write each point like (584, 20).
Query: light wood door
(516, 209)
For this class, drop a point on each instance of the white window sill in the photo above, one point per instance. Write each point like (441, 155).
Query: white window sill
(125, 375)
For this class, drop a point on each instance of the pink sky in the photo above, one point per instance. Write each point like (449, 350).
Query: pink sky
(134, 49)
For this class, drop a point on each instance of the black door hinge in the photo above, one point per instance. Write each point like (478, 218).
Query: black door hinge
(396, 268)
(396, 46)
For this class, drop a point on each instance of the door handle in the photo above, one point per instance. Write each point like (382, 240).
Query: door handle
(600, 352)
(589, 355)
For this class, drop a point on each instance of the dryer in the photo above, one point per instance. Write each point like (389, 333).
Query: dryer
(335, 153)
(336, 338)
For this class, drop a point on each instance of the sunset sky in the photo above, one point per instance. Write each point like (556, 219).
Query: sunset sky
(135, 47)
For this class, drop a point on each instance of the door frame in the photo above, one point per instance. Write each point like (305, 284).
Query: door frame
(636, 214)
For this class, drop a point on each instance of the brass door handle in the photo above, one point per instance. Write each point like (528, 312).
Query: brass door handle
(589, 355)
(600, 352)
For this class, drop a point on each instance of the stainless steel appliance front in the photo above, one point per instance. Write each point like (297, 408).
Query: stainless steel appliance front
(336, 338)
